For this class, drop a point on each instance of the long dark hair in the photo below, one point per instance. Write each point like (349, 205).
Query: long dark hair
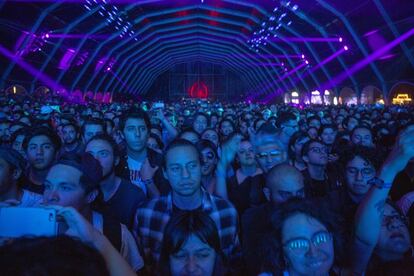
(180, 227)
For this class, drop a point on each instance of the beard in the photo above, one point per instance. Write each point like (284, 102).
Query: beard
(108, 174)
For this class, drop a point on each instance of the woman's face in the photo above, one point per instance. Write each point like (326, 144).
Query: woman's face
(209, 161)
(195, 258)
(307, 246)
(394, 237)
(245, 154)
(226, 128)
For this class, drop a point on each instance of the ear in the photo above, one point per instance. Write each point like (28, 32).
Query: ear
(92, 196)
(305, 158)
(17, 173)
(266, 192)
(165, 174)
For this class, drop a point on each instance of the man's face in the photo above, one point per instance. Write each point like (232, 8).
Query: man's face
(286, 187)
(4, 131)
(136, 134)
(317, 155)
(290, 127)
(362, 136)
(92, 130)
(315, 123)
(226, 128)
(328, 136)
(269, 155)
(358, 172)
(352, 123)
(40, 152)
(200, 124)
(69, 135)
(394, 236)
(183, 170)
(62, 187)
(103, 152)
(5, 176)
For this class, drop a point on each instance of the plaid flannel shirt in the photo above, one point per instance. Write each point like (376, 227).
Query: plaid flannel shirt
(152, 217)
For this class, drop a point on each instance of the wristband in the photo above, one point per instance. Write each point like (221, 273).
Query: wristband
(379, 183)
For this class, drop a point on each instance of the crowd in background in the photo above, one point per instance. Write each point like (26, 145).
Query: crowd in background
(200, 187)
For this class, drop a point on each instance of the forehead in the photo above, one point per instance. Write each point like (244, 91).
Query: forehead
(99, 145)
(63, 173)
(362, 131)
(268, 147)
(316, 145)
(209, 132)
(357, 161)
(93, 126)
(389, 210)
(40, 139)
(289, 182)
(181, 154)
(194, 243)
(245, 144)
(135, 122)
(301, 225)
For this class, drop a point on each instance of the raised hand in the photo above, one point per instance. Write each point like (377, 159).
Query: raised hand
(147, 171)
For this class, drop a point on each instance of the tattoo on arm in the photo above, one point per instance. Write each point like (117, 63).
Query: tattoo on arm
(380, 206)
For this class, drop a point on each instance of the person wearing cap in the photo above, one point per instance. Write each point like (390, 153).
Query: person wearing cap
(11, 170)
(73, 181)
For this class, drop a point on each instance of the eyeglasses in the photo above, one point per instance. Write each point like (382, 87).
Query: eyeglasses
(387, 220)
(300, 246)
(365, 172)
(274, 153)
(319, 150)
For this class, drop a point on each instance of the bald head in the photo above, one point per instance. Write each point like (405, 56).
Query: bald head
(284, 181)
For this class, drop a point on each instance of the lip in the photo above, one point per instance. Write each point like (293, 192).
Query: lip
(397, 235)
(315, 264)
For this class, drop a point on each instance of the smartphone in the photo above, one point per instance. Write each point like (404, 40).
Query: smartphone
(18, 222)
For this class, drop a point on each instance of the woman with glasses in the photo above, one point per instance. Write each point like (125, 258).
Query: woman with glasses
(304, 242)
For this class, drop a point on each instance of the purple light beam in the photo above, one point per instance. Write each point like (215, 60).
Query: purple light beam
(372, 57)
(30, 69)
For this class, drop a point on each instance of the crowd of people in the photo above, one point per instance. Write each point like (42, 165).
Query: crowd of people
(199, 187)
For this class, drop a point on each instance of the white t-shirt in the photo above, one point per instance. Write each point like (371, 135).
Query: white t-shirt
(129, 248)
(134, 174)
(30, 199)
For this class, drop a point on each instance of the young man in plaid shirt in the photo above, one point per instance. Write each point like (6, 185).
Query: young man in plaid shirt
(182, 168)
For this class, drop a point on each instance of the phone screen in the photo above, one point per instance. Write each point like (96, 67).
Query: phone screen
(18, 222)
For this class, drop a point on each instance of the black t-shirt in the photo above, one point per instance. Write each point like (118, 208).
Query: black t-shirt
(247, 194)
(123, 204)
(27, 184)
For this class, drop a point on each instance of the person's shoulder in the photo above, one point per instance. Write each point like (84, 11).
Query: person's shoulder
(221, 203)
(159, 204)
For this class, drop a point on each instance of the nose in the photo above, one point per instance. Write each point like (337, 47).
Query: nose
(191, 265)
(51, 196)
(185, 173)
(313, 251)
(269, 158)
(39, 151)
(138, 133)
(358, 175)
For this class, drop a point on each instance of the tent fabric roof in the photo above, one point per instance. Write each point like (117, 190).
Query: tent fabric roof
(125, 45)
